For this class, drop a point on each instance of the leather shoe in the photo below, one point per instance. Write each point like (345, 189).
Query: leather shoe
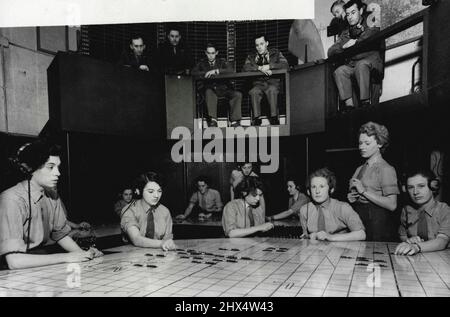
(212, 123)
(257, 122)
(347, 109)
(236, 124)
(274, 120)
(365, 103)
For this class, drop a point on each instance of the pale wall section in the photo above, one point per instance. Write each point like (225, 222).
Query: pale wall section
(398, 76)
(24, 76)
(27, 94)
(2, 94)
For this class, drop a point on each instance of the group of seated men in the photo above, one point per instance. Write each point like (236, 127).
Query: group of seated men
(31, 215)
(354, 26)
(174, 58)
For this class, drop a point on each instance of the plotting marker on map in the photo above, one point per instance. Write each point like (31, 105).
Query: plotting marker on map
(326, 269)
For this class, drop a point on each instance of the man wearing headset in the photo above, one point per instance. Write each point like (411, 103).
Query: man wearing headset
(30, 215)
(425, 222)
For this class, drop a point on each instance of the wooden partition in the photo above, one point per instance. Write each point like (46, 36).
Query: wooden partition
(93, 96)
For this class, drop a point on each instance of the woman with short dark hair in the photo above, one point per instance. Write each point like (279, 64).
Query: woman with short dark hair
(146, 221)
(425, 222)
(245, 216)
(296, 200)
(31, 213)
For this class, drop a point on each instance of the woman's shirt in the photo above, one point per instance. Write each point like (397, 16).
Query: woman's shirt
(339, 217)
(137, 214)
(378, 178)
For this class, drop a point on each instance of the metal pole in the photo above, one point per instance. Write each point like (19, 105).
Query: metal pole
(69, 177)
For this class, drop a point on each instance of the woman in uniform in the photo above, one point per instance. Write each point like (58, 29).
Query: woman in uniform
(146, 221)
(373, 189)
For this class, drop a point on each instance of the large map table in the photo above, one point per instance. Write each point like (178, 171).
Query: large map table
(255, 267)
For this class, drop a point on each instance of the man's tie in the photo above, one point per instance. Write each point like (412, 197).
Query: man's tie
(202, 201)
(320, 219)
(262, 60)
(422, 226)
(150, 232)
(250, 216)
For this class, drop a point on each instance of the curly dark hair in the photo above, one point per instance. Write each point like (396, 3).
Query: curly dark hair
(432, 182)
(296, 180)
(143, 179)
(34, 155)
(201, 178)
(359, 4)
(248, 186)
(259, 35)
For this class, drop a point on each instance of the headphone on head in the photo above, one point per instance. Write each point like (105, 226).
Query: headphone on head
(22, 166)
(434, 184)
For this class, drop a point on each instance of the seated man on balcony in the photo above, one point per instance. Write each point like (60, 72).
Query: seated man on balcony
(208, 68)
(339, 22)
(360, 65)
(265, 60)
(174, 57)
(136, 56)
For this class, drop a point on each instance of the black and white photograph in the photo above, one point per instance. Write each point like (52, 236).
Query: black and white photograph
(224, 153)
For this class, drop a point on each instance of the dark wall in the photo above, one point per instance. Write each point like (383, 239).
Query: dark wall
(415, 131)
(438, 54)
(92, 96)
(101, 165)
(292, 161)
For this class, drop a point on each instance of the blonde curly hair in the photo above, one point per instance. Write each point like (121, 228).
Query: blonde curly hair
(378, 131)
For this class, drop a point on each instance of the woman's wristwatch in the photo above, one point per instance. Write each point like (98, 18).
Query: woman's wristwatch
(418, 246)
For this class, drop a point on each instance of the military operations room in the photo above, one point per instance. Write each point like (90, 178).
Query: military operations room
(233, 158)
